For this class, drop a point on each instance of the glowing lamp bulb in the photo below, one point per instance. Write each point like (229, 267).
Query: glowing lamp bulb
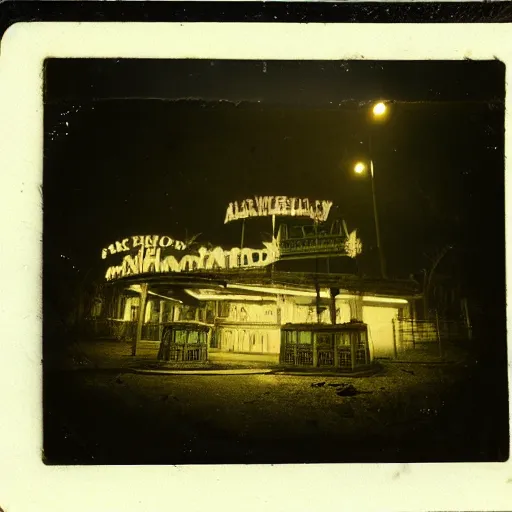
(379, 109)
(359, 168)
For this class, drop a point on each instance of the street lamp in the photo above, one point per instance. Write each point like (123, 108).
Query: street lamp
(359, 168)
(379, 110)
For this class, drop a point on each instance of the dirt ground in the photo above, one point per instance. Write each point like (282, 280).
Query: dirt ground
(408, 412)
(116, 354)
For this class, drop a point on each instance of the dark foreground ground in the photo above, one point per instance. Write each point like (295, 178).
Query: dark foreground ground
(406, 413)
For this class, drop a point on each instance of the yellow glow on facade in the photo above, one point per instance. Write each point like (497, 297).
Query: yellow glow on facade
(261, 340)
(372, 298)
(131, 309)
(324, 293)
(280, 291)
(253, 322)
(252, 313)
(214, 296)
(165, 297)
(137, 288)
(380, 329)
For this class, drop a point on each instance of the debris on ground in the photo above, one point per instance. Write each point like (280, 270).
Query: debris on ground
(318, 384)
(347, 390)
(336, 384)
(407, 371)
(350, 390)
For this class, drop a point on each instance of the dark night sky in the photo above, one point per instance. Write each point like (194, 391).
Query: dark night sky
(135, 160)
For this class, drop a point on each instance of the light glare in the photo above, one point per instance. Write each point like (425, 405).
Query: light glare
(379, 109)
(359, 168)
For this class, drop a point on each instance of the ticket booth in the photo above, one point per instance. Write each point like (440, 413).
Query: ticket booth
(184, 342)
(343, 346)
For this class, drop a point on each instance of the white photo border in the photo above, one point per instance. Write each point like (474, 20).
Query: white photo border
(25, 482)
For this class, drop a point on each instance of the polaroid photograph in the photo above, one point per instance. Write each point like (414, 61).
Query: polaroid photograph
(271, 254)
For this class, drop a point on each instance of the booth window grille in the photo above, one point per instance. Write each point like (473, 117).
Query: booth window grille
(345, 359)
(326, 358)
(361, 357)
(304, 357)
(183, 345)
(344, 346)
(289, 356)
(193, 354)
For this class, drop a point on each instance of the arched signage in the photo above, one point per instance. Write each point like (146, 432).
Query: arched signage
(144, 241)
(264, 206)
(153, 260)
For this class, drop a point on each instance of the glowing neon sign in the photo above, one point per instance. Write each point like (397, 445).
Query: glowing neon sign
(262, 206)
(151, 260)
(353, 245)
(145, 241)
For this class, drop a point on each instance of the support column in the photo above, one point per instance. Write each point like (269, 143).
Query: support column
(140, 320)
(353, 339)
(318, 309)
(161, 320)
(334, 293)
(413, 310)
(356, 308)
(119, 312)
(395, 351)
(315, 349)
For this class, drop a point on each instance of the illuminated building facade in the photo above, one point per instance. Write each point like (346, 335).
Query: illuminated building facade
(248, 318)
(302, 276)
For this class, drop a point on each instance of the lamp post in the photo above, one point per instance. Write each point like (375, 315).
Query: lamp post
(379, 110)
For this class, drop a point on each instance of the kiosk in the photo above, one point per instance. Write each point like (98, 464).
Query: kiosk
(342, 346)
(184, 342)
